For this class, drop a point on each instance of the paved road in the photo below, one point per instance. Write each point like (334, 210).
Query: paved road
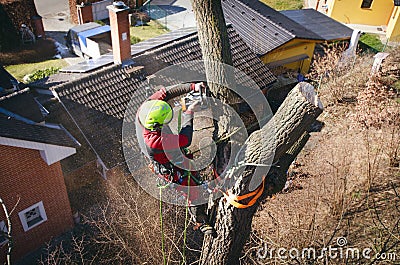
(48, 7)
(55, 14)
(56, 23)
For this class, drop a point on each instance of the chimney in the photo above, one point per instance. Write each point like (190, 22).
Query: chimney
(120, 36)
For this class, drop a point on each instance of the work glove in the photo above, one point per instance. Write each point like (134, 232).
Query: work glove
(199, 86)
(195, 106)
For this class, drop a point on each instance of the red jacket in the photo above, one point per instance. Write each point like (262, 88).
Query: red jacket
(160, 142)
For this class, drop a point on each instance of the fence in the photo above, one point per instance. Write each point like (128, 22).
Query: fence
(100, 10)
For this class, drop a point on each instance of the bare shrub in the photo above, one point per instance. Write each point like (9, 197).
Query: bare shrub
(72, 249)
(124, 228)
(376, 106)
(342, 185)
(338, 82)
(128, 226)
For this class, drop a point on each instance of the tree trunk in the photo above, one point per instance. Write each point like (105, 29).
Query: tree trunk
(233, 225)
(292, 119)
(216, 51)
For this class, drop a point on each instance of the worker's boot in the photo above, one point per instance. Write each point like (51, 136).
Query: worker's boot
(201, 220)
(207, 229)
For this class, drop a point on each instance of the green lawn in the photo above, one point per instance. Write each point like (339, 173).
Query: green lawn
(20, 70)
(151, 30)
(372, 40)
(284, 4)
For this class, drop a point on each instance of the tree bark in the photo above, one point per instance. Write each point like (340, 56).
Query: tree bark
(233, 225)
(215, 50)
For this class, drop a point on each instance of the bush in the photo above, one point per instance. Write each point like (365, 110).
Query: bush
(336, 78)
(40, 74)
(135, 39)
(142, 16)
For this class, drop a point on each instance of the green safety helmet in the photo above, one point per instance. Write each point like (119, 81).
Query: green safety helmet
(155, 113)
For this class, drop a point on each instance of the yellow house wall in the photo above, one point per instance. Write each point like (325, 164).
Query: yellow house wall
(350, 12)
(291, 49)
(393, 27)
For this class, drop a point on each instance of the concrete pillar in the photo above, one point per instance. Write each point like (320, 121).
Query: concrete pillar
(85, 13)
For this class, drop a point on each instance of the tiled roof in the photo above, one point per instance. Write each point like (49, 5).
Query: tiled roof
(98, 101)
(108, 90)
(16, 129)
(22, 103)
(262, 27)
(188, 49)
(7, 81)
(322, 25)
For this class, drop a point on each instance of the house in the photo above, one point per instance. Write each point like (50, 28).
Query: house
(32, 182)
(90, 11)
(384, 14)
(282, 39)
(97, 96)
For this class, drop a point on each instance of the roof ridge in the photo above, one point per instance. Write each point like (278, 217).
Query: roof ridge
(184, 31)
(14, 94)
(95, 75)
(173, 42)
(189, 37)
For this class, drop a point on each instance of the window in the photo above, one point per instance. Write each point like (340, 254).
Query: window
(32, 216)
(3, 233)
(366, 4)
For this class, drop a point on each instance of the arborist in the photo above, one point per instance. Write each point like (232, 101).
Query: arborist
(154, 115)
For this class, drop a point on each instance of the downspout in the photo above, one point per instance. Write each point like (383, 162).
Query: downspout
(105, 169)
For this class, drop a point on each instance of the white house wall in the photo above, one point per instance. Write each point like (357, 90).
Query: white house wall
(49, 152)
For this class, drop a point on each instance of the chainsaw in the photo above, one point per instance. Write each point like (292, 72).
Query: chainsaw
(194, 96)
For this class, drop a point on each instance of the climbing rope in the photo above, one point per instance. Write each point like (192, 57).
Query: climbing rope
(186, 220)
(161, 187)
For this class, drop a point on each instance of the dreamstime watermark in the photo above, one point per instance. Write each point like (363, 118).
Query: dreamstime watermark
(341, 251)
(241, 85)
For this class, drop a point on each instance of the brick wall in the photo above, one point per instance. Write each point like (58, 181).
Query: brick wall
(119, 24)
(74, 15)
(24, 175)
